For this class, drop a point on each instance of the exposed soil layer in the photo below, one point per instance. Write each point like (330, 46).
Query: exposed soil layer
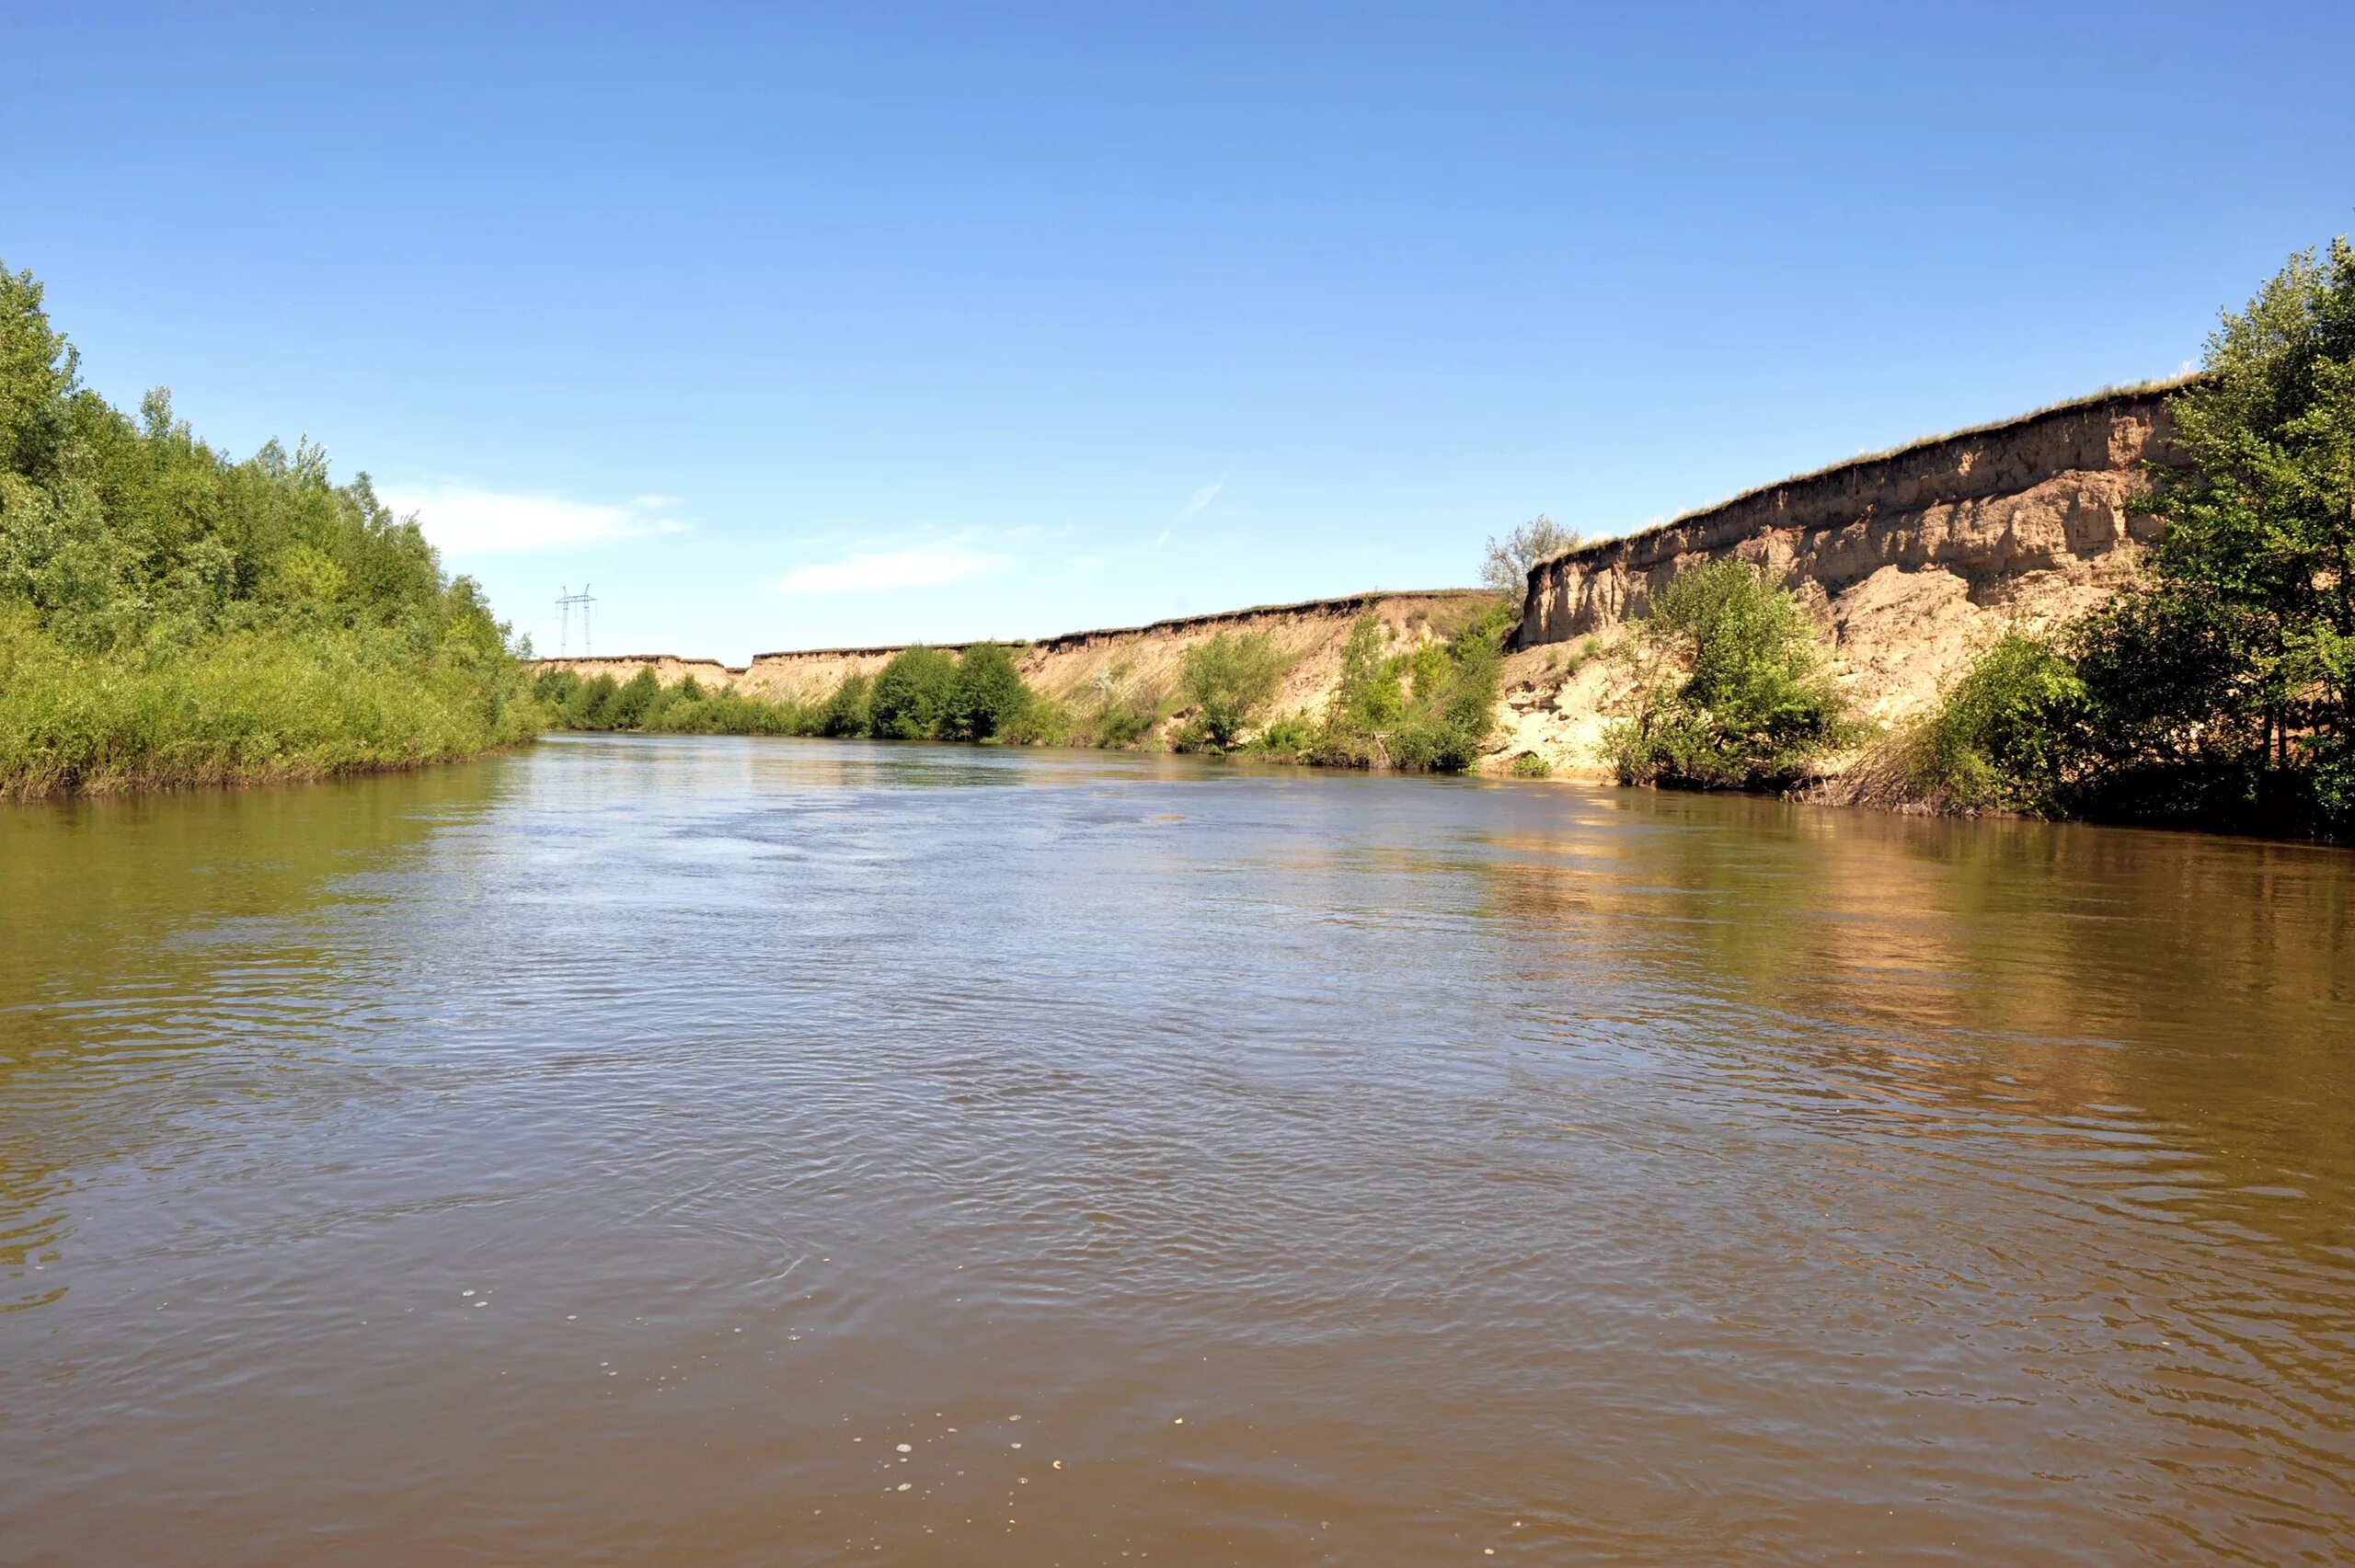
(1070, 666)
(1910, 561)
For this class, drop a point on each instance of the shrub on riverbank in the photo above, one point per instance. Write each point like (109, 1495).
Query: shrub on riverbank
(1120, 709)
(985, 697)
(910, 695)
(1229, 680)
(642, 704)
(168, 616)
(1430, 706)
(1730, 691)
(1998, 740)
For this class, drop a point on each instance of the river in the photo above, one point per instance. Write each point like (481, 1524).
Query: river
(716, 1150)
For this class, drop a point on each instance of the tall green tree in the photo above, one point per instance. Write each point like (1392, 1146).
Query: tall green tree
(986, 697)
(2219, 688)
(910, 694)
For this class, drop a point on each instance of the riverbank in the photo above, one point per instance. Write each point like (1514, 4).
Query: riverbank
(1358, 681)
(170, 618)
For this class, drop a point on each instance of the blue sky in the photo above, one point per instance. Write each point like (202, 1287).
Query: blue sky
(795, 326)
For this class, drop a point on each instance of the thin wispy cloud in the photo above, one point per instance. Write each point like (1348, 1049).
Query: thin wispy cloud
(1203, 498)
(883, 571)
(1194, 504)
(465, 519)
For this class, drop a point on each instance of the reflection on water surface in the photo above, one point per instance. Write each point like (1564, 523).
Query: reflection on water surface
(1322, 1169)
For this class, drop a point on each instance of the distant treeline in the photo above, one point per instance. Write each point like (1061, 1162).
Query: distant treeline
(168, 616)
(2217, 691)
(1427, 706)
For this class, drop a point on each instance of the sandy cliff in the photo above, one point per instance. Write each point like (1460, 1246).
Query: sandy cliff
(1910, 561)
(1069, 667)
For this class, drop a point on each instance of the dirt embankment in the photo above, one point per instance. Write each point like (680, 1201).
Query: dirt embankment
(1071, 667)
(1910, 561)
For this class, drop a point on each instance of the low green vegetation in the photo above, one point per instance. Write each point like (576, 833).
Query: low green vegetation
(1428, 706)
(922, 695)
(643, 703)
(170, 617)
(1730, 689)
(2219, 690)
(1230, 680)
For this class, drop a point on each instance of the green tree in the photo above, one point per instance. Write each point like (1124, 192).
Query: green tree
(1505, 566)
(2219, 687)
(636, 699)
(590, 706)
(1731, 688)
(168, 615)
(911, 694)
(986, 697)
(1229, 679)
(845, 710)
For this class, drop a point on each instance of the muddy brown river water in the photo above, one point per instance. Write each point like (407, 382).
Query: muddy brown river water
(725, 1152)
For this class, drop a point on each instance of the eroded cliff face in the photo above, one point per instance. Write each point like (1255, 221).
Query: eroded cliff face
(2010, 512)
(1910, 562)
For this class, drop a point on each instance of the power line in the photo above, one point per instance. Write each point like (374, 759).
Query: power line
(565, 606)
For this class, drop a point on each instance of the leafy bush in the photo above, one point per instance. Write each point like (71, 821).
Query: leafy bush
(1999, 739)
(845, 711)
(1291, 737)
(986, 696)
(1730, 689)
(1229, 679)
(1120, 710)
(590, 706)
(1429, 707)
(1530, 765)
(636, 696)
(1042, 722)
(911, 695)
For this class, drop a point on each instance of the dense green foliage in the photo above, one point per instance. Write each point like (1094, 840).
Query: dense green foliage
(910, 696)
(1229, 680)
(2220, 689)
(1999, 740)
(986, 696)
(1730, 689)
(642, 702)
(845, 711)
(1427, 706)
(922, 695)
(168, 616)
